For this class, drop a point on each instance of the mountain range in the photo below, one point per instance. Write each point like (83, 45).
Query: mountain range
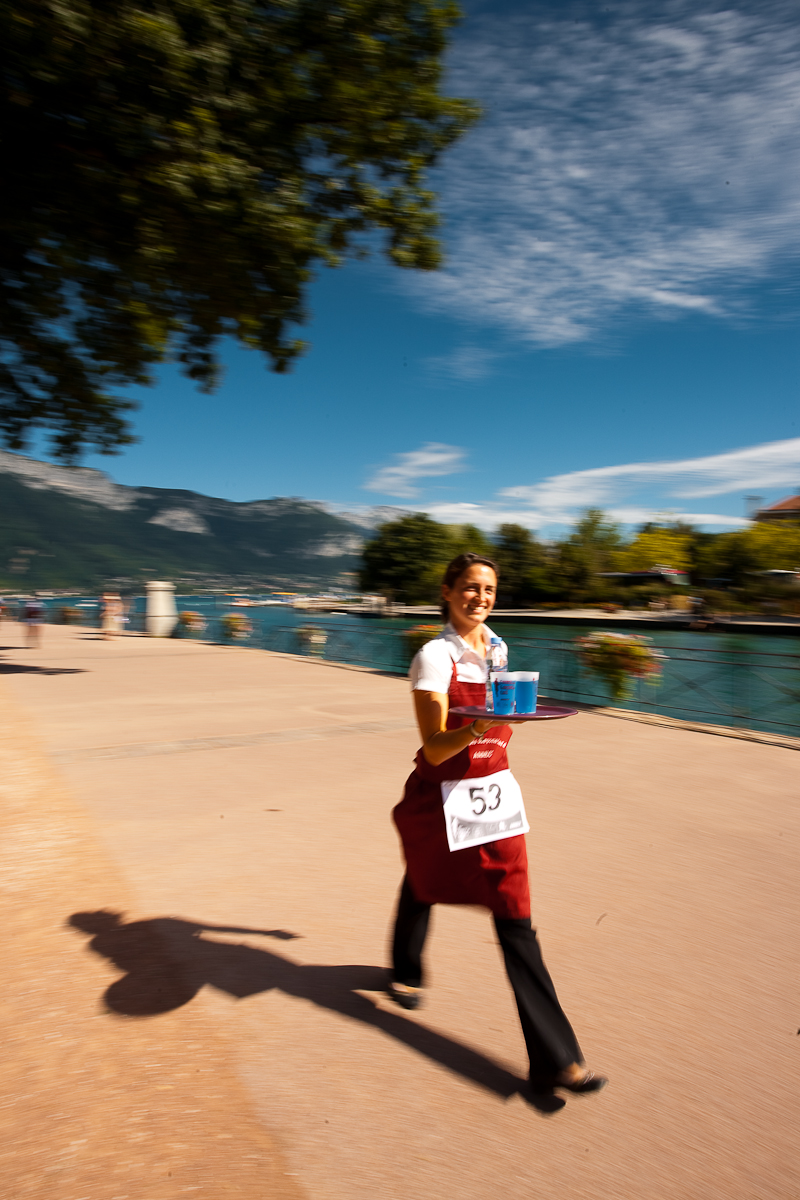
(74, 528)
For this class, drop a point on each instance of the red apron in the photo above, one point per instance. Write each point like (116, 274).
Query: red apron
(494, 875)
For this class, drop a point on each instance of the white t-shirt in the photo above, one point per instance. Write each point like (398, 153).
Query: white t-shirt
(432, 667)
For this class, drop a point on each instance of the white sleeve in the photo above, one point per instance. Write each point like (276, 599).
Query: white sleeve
(432, 668)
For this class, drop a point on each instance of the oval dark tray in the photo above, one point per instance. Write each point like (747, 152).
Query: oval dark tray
(544, 712)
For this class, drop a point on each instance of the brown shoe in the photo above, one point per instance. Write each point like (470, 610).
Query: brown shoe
(405, 995)
(589, 1081)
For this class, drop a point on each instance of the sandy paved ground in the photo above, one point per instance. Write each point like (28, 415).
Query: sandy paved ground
(95, 1105)
(244, 799)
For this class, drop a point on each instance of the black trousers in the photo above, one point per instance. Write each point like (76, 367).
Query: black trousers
(549, 1037)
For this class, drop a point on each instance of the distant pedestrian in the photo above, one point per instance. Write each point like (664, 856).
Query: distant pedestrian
(448, 672)
(112, 614)
(32, 618)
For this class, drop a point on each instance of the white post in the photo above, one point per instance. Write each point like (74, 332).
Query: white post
(162, 614)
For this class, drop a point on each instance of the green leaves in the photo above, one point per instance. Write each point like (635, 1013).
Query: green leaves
(407, 558)
(173, 171)
(520, 559)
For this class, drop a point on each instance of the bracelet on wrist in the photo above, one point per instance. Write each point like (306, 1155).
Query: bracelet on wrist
(474, 731)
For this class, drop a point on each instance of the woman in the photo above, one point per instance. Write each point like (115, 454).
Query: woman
(111, 614)
(33, 616)
(451, 671)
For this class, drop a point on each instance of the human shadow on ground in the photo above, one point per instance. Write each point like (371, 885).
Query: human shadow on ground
(167, 961)
(32, 669)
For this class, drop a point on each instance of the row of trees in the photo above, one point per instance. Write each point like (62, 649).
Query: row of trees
(407, 557)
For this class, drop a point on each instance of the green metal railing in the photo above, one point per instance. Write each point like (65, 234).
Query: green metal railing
(724, 683)
(714, 685)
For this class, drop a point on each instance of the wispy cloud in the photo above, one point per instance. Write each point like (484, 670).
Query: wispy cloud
(401, 477)
(643, 161)
(485, 516)
(633, 515)
(490, 516)
(367, 516)
(630, 493)
(467, 363)
(772, 465)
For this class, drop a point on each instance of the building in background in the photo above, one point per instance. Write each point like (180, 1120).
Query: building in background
(784, 510)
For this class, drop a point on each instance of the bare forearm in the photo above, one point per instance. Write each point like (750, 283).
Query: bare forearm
(447, 743)
(438, 742)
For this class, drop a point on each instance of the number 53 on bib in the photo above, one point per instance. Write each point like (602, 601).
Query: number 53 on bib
(487, 809)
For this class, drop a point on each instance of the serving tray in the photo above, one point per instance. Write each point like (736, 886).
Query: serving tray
(544, 712)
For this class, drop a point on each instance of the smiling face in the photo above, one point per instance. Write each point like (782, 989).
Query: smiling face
(471, 598)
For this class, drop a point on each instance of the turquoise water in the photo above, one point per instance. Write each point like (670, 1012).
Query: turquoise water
(747, 680)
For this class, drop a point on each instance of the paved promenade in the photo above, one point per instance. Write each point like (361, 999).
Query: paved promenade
(228, 1035)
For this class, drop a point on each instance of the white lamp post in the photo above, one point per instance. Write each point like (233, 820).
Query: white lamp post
(162, 614)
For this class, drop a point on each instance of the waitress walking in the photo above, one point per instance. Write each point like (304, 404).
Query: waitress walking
(451, 671)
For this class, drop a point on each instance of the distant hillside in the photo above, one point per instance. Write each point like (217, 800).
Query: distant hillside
(74, 528)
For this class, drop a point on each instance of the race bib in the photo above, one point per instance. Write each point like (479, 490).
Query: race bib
(488, 809)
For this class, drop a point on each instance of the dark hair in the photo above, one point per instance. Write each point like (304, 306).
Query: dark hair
(456, 569)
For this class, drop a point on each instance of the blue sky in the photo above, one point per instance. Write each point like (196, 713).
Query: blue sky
(617, 320)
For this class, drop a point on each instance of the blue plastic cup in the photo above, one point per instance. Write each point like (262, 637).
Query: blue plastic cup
(503, 689)
(527, 689)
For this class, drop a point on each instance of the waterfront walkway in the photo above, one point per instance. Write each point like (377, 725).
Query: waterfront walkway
(228, 1036)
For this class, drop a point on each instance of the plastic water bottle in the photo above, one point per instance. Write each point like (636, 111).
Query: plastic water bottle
(496, 660)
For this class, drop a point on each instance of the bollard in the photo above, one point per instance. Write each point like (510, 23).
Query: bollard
(162, 615)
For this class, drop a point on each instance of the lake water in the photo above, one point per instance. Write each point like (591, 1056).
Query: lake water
(748, 680)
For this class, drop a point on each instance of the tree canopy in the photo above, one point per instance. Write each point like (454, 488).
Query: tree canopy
(664, 546)
(407, 558)
(520, 559)
(761, 547)
(590, 548)
(174, 169)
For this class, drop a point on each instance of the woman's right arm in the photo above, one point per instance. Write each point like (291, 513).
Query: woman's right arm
(438, 742)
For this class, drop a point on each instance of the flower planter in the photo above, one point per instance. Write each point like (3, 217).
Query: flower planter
(419, 636)
(235, 627)
(619, 658)
(312, 639)
(190, 624)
